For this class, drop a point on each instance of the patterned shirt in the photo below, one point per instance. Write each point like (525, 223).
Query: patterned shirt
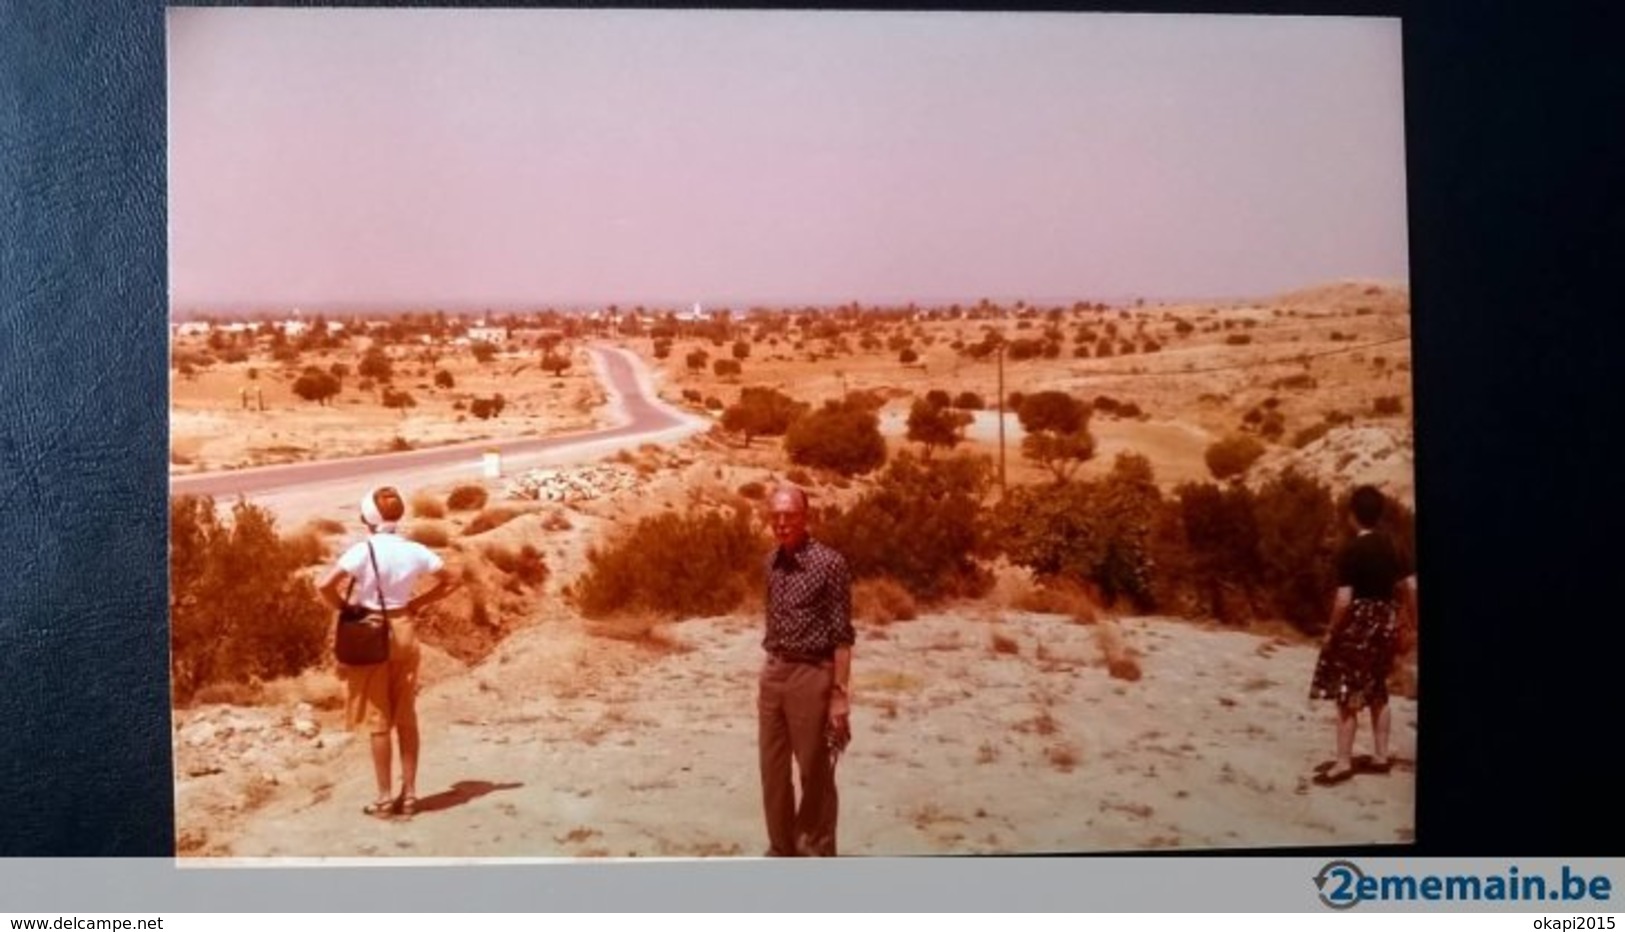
(809, 601)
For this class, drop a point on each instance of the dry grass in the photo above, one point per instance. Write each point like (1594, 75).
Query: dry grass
(427, 506)
(467, 498)
(525, 564)
(489, 519)
(643, 629)
(429, 535)
(888, 681)
(883, 600)
(326, 526)
(306, 546)
(1121, 661)
(1041, 724)
(229, 693)
(1062, 598)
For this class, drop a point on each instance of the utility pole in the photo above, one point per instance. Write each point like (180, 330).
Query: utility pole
(1002, 487)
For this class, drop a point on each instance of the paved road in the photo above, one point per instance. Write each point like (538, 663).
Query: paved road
(305, 487)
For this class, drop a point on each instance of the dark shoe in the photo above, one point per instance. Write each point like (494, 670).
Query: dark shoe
(1333, 777)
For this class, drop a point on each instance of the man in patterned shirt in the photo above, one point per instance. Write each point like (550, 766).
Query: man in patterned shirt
(804, 699)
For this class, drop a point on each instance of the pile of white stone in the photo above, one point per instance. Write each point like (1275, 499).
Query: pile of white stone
(261, 741)
(572, 485)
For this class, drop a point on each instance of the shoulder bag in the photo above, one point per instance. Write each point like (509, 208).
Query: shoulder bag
(360, 639)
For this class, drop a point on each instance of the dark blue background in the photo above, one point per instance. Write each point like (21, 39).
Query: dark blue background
(1518, 238)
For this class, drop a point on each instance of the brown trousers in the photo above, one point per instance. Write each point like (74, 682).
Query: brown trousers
(792, 707)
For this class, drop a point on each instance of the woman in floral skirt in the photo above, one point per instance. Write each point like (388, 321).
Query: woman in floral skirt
(1376, 593)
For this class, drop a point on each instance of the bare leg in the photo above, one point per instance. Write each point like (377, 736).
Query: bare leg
(408, 732)
(1348, 722)
(1381, 726)
(381, 753)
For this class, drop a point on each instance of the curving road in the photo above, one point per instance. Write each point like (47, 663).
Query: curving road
(644, 418)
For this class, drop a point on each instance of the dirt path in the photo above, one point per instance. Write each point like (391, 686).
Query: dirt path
(566, 745)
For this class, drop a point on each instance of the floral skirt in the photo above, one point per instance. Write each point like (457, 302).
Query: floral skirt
(1355, 662)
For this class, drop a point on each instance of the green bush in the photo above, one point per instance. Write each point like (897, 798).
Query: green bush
(1298, 525)
(933, 426)
(240, 609)
(838, 437)
(922, 524)
(1097, 532)
(676, 565)
(1232, 456)
(1058, 437)
(761, 412)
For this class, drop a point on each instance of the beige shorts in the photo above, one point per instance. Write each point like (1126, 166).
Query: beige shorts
(383, 696)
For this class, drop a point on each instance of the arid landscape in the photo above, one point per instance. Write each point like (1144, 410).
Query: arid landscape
(1087, 674)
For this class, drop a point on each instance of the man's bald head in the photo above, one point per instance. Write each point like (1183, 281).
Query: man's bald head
(787, 512)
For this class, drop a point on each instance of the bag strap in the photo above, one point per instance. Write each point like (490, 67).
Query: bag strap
(378, 580)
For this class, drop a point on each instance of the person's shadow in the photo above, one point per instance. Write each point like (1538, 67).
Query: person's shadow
(461, 792)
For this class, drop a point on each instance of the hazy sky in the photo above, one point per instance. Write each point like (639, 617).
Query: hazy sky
(526, 157)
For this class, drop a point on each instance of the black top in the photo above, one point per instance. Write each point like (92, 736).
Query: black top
(1371, 566)
(809, 601)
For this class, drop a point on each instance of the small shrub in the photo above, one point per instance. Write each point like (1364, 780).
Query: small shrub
(799, 477)
(398, 399)
(882, 600)
(969, 401)
(1121, 663)
(1300, 380)
(675, 565)
(489, 519)
(1004, 644)
(557, 521)
(241, 606)
(429, 535)
(755, 491)
(1388, 405)
(427, 506)
(305, 548)
(1310, 434)
(1059, 597)
(1238, 339)
(1232, 456)
(921, 525)
(327, 526)
(525, 564)
(467, 498)
(839, 437)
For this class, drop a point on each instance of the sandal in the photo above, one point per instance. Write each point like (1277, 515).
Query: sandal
(379, 809)
(407, 806)
(1333, 777)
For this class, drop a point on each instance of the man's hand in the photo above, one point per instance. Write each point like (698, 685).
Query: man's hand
(840, 708)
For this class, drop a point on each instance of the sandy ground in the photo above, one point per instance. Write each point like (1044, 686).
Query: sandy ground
(566, 745)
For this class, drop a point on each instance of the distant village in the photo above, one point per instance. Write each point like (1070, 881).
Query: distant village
(547, 327)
